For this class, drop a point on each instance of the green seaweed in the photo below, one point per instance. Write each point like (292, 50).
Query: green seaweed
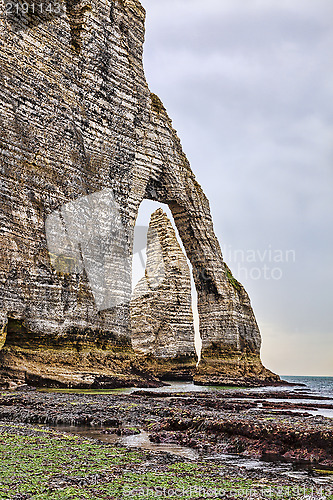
(44, 464)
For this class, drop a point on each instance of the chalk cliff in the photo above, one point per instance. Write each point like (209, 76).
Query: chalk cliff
(77, 118)
(161, 307)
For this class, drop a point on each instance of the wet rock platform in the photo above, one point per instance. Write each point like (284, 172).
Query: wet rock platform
(276, 426)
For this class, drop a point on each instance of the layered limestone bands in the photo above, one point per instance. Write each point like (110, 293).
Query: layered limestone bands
(80, 359)
(161, 310)
(228, 363)
(77, 118)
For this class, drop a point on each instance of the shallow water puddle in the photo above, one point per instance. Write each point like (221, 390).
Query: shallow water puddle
(142, 441)
(136, 441)
(297, 471)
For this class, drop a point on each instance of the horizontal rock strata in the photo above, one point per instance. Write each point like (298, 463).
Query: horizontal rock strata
(161, 310)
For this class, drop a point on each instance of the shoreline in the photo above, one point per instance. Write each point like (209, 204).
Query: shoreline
(246, 444)
(275, 424)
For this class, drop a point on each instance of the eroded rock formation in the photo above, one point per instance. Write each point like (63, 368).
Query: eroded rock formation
(161, 307)
(235, 363)
(77, 117)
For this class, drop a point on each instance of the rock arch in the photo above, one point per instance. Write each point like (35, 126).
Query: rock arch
(77, 122)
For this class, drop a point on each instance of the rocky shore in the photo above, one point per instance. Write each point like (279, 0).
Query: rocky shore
(252, 424)
(53, 444)
(44, 464)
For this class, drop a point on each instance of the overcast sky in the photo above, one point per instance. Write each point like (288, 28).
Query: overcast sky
(249, 87)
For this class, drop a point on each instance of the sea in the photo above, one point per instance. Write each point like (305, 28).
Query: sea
(321, 386)
(314, 386)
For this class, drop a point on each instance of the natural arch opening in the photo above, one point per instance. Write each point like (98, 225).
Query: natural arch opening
(139, 261)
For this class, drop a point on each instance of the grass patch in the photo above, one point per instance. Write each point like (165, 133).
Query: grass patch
(232, 280)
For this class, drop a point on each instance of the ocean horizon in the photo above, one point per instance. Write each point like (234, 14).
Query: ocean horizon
(322, 386)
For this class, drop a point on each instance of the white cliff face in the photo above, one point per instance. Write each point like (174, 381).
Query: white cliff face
(78, 118)
(161, 312)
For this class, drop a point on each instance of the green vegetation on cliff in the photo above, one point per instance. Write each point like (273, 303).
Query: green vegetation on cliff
(232, 280)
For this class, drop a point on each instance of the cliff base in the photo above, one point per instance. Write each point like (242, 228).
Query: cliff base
(180, 368)
(224, 366)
